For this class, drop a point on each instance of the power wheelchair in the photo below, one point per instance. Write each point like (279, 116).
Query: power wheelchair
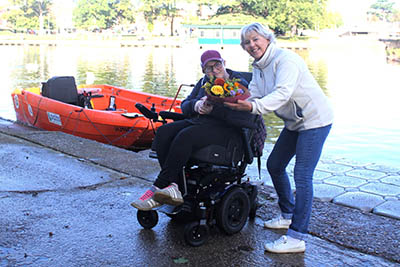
(212, 187)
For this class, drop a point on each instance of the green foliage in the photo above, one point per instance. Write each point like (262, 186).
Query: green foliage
(227, 19)
(90, 14)
(103, 14)
(383, 10)
(154, 9)
(281, 16)
(124, 12)
(29, 15)
(290, 16)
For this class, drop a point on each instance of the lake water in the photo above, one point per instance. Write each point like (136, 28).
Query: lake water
(363, 88)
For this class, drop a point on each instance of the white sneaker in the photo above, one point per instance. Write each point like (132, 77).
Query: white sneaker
(278, 223)
(286, 244)
(169, 195)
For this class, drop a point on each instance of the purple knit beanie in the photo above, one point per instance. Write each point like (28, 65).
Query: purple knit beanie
(210, 55)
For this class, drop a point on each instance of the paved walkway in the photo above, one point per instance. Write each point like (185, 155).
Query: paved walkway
(368, 187)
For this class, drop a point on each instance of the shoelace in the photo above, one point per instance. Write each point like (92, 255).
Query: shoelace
(148, 194)
(282, 240)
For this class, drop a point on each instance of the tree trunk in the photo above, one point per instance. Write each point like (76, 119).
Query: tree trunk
(41, 22)
(172, 26)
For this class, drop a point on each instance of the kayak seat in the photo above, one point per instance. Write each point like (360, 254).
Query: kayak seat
(61, 88)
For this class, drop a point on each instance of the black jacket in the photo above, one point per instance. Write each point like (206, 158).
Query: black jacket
(220, 115)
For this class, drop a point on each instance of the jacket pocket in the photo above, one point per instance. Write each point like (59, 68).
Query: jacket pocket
(290, 112)
(298, 110)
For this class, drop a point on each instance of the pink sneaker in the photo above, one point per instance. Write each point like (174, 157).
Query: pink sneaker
(146, 201)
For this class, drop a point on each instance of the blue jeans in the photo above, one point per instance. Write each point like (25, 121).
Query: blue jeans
(306, 146)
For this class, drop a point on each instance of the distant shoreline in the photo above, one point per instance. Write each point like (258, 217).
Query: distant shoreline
(154, 42)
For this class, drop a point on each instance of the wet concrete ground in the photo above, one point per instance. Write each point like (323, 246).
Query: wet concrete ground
(64, 201)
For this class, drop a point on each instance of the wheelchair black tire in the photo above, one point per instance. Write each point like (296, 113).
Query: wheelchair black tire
(233, 210)
(147, 219)
(196, 234)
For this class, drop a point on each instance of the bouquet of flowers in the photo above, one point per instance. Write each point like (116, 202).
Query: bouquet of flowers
(221, 90)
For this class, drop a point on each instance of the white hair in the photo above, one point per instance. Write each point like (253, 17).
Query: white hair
(258, 28)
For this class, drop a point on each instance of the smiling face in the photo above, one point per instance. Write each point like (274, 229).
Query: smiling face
(255, 44)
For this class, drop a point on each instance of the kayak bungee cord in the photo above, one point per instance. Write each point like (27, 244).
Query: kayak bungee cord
(110, 142)
(37, 112)
(94, 126)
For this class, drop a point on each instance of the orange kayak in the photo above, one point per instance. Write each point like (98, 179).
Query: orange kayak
(105, 113)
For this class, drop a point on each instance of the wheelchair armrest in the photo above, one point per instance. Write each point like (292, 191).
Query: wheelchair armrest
(146, 112)
(172, 115)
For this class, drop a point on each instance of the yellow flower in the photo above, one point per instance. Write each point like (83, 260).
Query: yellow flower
(217, 90)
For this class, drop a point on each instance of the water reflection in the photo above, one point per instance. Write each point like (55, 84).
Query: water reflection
(161, 80)
(159, 75)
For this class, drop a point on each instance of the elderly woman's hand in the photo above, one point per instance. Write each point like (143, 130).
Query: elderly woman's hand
(203, 106)
(241, 105)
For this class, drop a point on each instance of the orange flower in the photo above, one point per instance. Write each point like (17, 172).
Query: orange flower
(226, 87)
(219, 81)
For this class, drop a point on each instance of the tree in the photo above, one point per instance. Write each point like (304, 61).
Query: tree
(102, 14)
(90, 14)
(383, 10)
(29, 14)
(124, 12)
(282, 16)
(153, 10)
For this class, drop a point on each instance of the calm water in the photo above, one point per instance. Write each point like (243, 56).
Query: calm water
(362, 87)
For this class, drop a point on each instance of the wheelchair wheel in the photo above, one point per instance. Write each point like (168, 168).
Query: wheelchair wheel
(147, 219)
(233, 210)
(196, 234)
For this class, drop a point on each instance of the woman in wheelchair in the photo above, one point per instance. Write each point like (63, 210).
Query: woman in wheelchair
(206, 123)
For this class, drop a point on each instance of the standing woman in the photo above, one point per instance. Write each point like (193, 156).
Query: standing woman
(282, 83)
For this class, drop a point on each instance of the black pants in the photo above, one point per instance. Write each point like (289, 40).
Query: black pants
(175, 142)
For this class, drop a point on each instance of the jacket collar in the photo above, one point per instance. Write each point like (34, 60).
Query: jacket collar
(266, 59)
